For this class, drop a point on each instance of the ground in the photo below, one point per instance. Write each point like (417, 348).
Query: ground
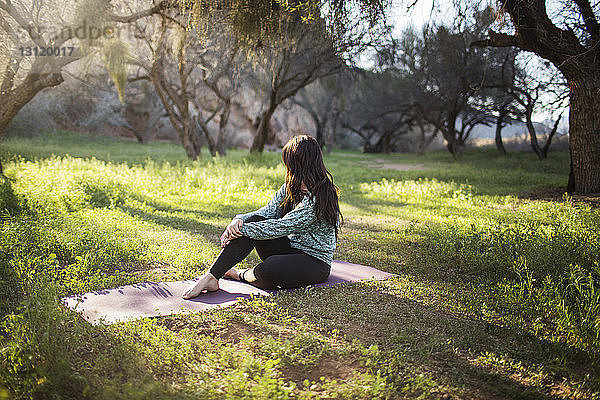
(496, 294)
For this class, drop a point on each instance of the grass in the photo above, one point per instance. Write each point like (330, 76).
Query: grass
(497, 292)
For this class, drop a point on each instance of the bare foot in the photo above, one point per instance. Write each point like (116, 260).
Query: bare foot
(207, 282)
(232, 274)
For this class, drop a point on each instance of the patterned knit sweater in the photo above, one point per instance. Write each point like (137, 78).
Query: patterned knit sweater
(300, 225)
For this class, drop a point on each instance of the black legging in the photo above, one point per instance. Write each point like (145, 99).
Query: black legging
(282, 266)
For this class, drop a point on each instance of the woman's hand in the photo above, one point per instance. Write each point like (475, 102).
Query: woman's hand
(232, 231)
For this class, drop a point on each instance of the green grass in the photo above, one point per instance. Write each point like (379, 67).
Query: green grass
(497, 295)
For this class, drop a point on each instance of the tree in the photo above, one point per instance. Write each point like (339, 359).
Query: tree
(377, 109)
(293, 43)
(494, 97)
(288, 65)
(219, 75)
(143, 101)
(171, 77)
(254, 22)
(321, 100)
(526, 95)
(192, 73)
(446, 76)
(24, 72)
(23, 75)
(571, 41)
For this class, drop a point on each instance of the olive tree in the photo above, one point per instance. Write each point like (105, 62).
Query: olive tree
(569, 38)
(39, 39)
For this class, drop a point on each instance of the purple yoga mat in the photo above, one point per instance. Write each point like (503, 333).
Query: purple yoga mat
(151, 299)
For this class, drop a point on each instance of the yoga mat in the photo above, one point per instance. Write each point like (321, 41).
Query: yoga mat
(152, 299)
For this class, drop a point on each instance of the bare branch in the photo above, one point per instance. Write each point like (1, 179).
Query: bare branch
(496, 39)
(589, 18)
(162, 6)
(18, 18)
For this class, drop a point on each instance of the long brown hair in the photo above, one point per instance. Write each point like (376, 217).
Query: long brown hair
(303, 159)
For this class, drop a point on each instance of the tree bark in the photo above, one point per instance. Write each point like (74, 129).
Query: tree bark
(499, 123)
(179, 116)
(546, 147)
(138, 135)
(584, 133)
(222, 126)
(332, 133)
(190, 139)
(262, 132)
(212, 147)
(454, 145)
(571, 181)
(532, 135)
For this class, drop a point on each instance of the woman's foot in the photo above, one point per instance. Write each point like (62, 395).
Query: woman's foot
(207, 282)
(232, 274)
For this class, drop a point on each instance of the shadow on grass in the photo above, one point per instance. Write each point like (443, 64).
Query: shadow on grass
(414, 339)
(171, 221)
(10, 203)
(484, 360)
(557, 195)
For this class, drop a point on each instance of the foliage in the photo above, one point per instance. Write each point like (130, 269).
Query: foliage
(255, 22)
(115, 55)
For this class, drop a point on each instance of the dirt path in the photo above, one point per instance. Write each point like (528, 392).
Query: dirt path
(383, 164)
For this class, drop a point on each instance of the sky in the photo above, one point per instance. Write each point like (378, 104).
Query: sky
(418, 15)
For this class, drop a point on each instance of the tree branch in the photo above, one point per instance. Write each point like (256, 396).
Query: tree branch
(496, 39)
(14, 14)
(591, 22)
(162, 6)
(551, 135)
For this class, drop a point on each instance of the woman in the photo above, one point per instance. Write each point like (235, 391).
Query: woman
(294, 234)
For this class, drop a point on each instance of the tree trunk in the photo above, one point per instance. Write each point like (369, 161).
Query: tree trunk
(319, 133)
(454, 145)
(459, 146)
(262, 132)
(571, 181)
(212, 147)
(428, 141)
(222, 125)
(332, 134)
(190, 139)
(422, 141)
(550, 137)
(425, 141)
(386, 142)
(584, 133)
(532, 135)
(499, 144)
(138, 135)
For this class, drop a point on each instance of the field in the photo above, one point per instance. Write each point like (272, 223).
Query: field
(497, 293)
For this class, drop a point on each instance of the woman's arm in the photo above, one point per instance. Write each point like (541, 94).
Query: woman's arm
(270, 210)
(295, 221)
